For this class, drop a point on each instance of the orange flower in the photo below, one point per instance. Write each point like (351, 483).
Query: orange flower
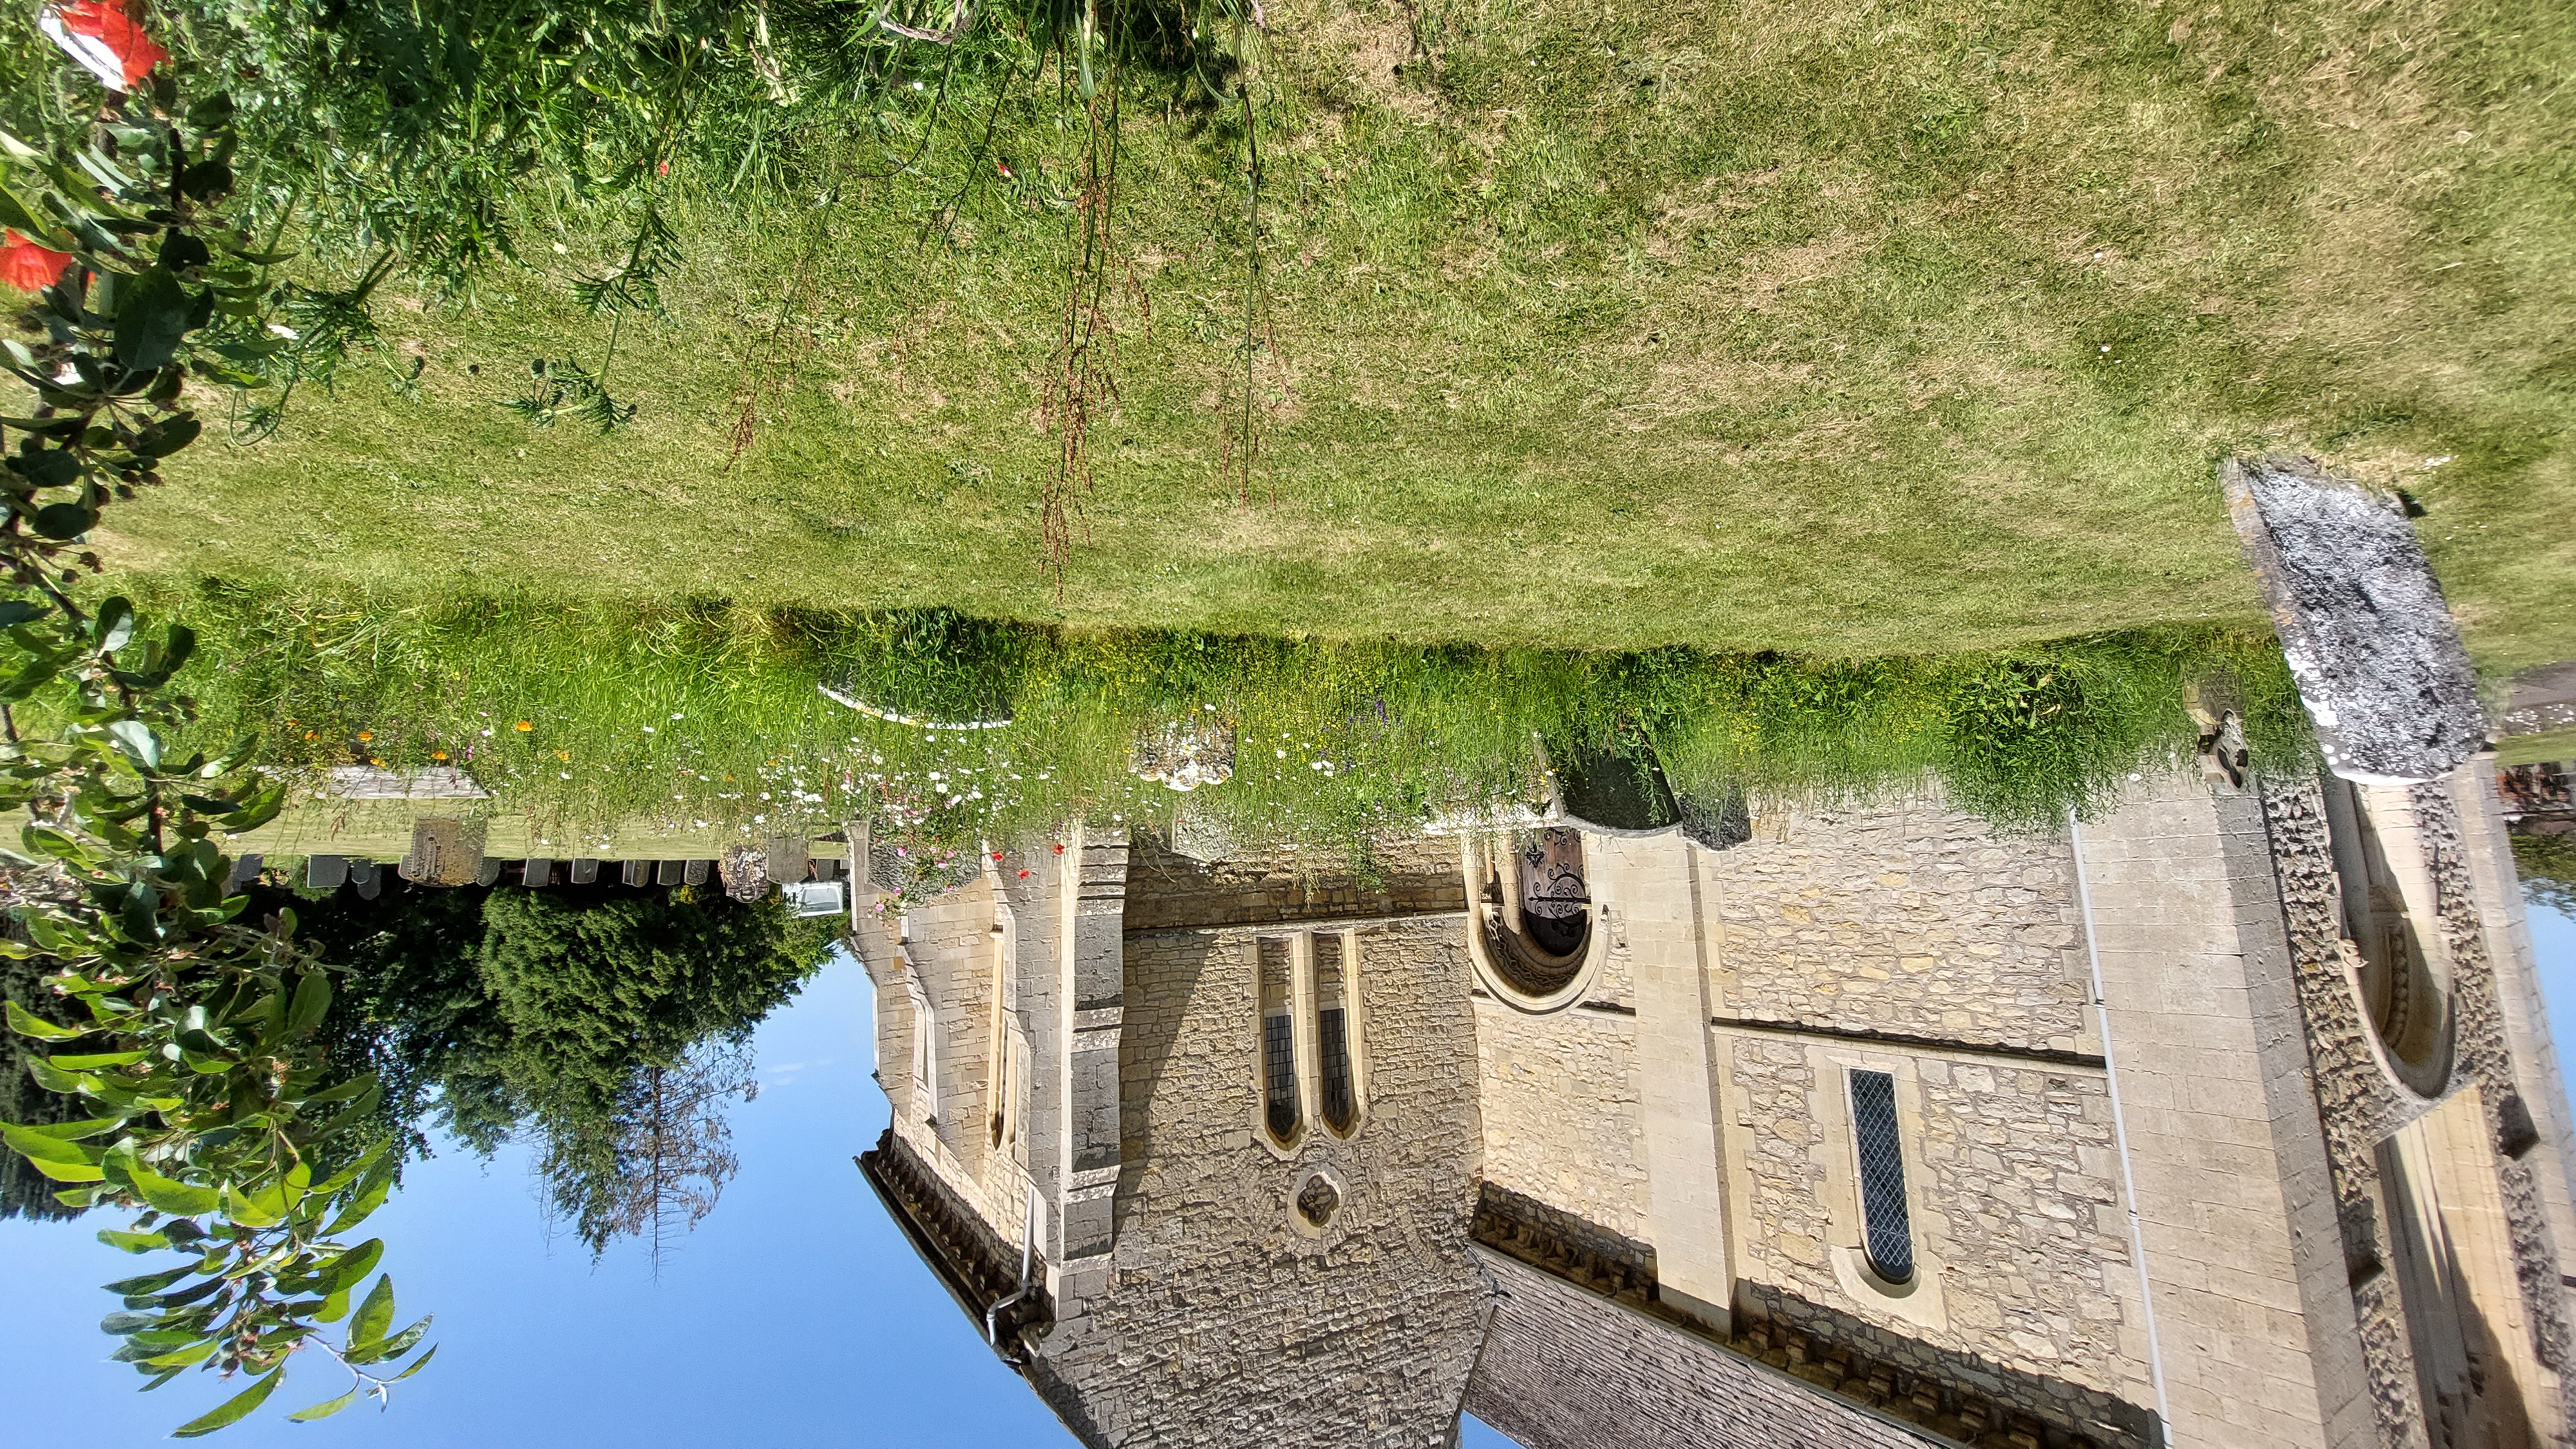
(311, 735)
(523, 727)
(365, 735)
(29, 267)
(372, 760)
(117, 52)
(438, 754)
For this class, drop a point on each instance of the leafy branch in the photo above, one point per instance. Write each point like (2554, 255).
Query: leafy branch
(192, 1047)
(562, 387)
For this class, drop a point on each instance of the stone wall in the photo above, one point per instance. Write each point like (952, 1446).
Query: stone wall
(1913, 920)
(1559, 1098)
(1167, 890)
(1226, 1324)
(2358, 1102)
(2016, 1208)
(1562, 1369)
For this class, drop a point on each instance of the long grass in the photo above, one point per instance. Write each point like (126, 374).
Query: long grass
(714, 717)
(1847, 327)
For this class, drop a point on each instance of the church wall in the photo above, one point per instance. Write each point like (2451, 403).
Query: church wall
(2020, 1241)
(1911, 920)
(1167, 890)
(1559, 1100)
(951, 945)
(1222, 1322)
(1565, 1370)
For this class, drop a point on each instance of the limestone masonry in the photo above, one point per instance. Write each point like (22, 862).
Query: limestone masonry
(2228, 1118)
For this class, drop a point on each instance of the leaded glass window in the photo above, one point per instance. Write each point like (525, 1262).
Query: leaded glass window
(1882, 1176)
(1279, 1073)
(1280, 1106)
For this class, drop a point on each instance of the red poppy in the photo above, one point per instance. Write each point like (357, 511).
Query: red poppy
(29, 267)
(106, 37)
(1024, 875)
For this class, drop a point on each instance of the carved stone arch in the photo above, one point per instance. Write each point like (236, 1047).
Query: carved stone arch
(2397, 959)
(1536, 935)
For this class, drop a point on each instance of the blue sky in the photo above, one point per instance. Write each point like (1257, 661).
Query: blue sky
(794, 1315)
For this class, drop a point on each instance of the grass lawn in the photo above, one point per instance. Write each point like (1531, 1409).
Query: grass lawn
(1830, 327)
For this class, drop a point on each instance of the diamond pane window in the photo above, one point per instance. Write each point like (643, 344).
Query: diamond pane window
(1882, 1176)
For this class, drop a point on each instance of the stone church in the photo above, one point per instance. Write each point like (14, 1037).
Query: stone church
(2229, 1118)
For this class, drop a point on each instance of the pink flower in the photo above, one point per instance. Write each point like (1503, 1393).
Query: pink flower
(106, 37)
(29, 267)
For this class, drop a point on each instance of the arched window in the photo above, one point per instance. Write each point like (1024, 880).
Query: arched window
(1281, 1110)
(1536, 942)
(998, 1033)
(1888, 1231)
(1333, 988)
(925, 1047)
(2400, 981)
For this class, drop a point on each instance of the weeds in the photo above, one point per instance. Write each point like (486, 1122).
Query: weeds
(710, 716)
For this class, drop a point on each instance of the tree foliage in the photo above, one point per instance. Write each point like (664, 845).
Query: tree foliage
(186, 1036)
(607, 1025)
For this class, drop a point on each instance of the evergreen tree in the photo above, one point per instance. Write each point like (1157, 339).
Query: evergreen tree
(25, 1192)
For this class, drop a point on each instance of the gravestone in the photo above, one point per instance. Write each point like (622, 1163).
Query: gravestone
(668, 872)
(444, 852)
(244, 870)
(786, 857)
(363, 875)
(696, 874)
(489, 871)
(326, 872)
(745, 873)
(638, 872)
(584, 870)
(537, 871)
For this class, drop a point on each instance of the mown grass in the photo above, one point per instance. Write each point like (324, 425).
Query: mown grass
(1848, 329)
(712, 716)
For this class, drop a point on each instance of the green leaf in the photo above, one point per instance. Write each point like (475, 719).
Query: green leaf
(149, 1282)
(312, 1000)
(248, 1213)
(65, 521)
(75, 1131)
(342, 1273)
(325, 1409)
(416, 1365)
(121, 1324)
(132, 1242)
(334, 1308)
(178, 1198)
(93, 1062)
(167, 436)
(27, 1023)
(113, 626)
(375, 1314)
(44, 1147)
(232, 1410)
(138, 741)
(54, 1079)
(341, 1093)
(370, 1196)
(151, 317)
(187, 1356)
(394, 1347)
